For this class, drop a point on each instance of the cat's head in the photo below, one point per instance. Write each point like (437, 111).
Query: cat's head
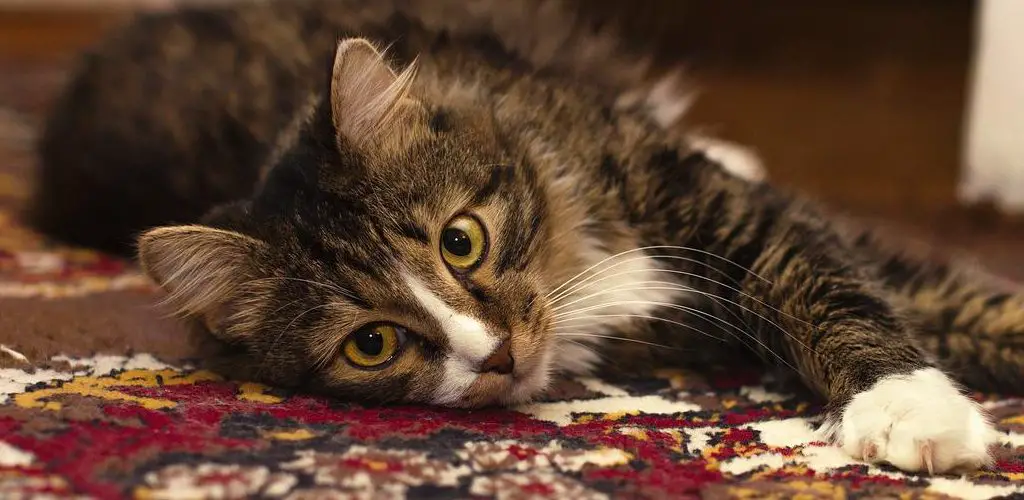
(399, 250)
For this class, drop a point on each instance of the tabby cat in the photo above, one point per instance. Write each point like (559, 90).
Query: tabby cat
(452, 202)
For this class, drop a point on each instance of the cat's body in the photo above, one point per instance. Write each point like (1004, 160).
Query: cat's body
(186, 106)
(460, 233)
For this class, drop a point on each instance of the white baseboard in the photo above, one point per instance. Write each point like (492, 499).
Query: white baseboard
(994, 152)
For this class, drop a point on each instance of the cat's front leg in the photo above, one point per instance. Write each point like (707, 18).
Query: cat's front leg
(814, 306)
(887, 400)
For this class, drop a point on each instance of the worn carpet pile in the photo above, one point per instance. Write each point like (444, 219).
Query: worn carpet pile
(98, 398)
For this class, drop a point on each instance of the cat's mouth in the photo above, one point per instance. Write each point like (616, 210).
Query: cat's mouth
(526, 381)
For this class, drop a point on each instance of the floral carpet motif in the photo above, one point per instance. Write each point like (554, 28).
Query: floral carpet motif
(117, 426)
(99, 398)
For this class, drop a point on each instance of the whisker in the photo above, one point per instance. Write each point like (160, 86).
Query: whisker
(330, 286)
(694, 311)
(685, 288)
(628, 287)
(705, 278)
(658, 247)
(560, 318)
(637, 316)
(279, 309)
(605, 360)
(327, 350)
(277, 339)
(685, 308)
(590, 279)
(612, 337)
(588, 347)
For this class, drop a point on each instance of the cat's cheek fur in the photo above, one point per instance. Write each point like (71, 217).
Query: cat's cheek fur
(456, 381)
(535, 382)
(916, 422)
(618, 290)
(575, 358)
(614, 292)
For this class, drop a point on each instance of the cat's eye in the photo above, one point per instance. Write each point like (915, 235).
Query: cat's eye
(373, 346)
(463, 242)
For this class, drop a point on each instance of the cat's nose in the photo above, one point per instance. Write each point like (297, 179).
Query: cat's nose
(500, 360)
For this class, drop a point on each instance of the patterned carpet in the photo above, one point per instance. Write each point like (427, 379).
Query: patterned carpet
(98, 398)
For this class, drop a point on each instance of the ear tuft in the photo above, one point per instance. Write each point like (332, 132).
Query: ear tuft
(200, 268)
(366, 94)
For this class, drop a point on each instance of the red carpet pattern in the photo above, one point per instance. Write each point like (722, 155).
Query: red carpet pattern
(115, 426)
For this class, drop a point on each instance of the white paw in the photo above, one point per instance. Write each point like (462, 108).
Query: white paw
(916, 422)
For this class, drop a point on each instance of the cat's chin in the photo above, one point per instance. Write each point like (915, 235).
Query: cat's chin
(523, 393)
(509, 394)
(533, 383)
(518, 390)
(524, 386)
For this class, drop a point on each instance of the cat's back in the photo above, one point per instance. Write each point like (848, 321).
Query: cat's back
(177, 112)
(172, 114)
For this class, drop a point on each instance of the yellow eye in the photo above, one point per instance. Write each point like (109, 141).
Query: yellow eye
(373, 345)
(463, 242)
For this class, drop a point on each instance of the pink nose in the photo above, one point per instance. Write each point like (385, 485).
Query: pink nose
(500, 361)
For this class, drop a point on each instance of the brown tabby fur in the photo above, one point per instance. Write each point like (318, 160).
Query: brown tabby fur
(321, 215)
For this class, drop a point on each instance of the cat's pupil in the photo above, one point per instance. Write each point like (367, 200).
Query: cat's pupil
(370, 342)
(457, 242)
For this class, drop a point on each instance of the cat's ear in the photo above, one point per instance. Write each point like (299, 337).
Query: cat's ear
(199, 267)
(370, 103)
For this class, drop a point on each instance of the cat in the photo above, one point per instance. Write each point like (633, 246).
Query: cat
(452, 203)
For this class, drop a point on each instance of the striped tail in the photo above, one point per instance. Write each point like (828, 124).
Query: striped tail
(972, 322)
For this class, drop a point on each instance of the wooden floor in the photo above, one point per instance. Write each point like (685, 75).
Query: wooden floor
(857, 102)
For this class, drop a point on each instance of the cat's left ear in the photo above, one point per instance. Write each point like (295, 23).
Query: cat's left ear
(371, 105)
(200, 268)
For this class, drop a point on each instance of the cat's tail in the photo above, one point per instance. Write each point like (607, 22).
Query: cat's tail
(971, 321)
(977, 333)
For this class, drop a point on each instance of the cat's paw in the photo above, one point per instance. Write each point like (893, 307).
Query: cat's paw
(916, 422)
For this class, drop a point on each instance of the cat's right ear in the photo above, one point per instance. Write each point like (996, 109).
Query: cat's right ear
(370, 103)
(200, 268)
